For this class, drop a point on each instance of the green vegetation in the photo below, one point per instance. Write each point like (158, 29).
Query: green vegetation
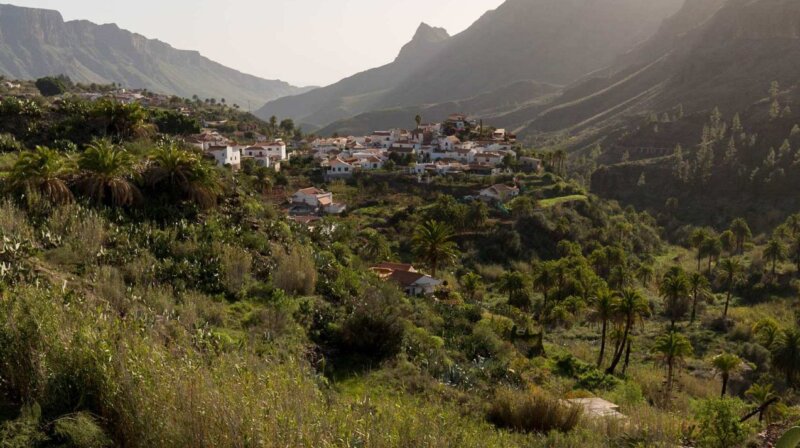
(148, 298)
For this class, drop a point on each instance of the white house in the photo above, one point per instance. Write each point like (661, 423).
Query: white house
(312, 197)
(382, 139)
(492, 158)
(339, 168)
(449, 143)
(370, 162)
(276, 148)
(225, 155)
(499, 193)
(318, 200)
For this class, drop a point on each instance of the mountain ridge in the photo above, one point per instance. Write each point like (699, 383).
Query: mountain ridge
(39, 42)
(552, 42)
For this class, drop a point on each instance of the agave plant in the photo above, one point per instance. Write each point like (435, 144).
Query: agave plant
(107, 174)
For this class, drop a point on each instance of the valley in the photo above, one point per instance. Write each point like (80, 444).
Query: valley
(572, 224)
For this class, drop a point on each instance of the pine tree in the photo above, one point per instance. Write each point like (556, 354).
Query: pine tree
(680, 169)
(775, 110)
(785, 150)
(774, 90)
(731, 154)
(704, 163)
(679, 112)
(736, 125)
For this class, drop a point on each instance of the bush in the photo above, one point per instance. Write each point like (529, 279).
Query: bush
(718, 423)
(81, 431)
(236, 265)
(526, 412)
(295, 272)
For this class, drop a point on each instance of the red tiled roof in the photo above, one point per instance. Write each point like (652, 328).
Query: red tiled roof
(406, 279)
(395, 266)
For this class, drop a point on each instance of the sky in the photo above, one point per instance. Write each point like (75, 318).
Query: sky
(304, 42)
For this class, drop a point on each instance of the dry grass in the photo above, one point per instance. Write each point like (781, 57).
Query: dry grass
(532, 412)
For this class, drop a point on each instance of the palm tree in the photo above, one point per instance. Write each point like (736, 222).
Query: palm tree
(471, 285)
(731, 268)
(726, 364)
(742, 232)
(645, 275)
(603, 307)
(433, 243)
(786, 354)
(761, 394)
(42, 171)
(184, 173)
(699, 285)
(767, 331)
(512, 283)
(696, 239)
(673, 348)
(544, 280)
(106, 172)
(374, 246)
(418, 120)
(674, 288)
(775, 252)
(711, 248)
(629, 306)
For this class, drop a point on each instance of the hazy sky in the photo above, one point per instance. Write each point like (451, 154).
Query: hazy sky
(303, 42)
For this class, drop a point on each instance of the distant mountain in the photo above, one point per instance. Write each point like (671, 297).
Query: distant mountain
(38, 42)
(714, 53)
(547, 41)
(363, 91)
(491, 106)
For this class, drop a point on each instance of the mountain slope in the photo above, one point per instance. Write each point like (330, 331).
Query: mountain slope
(550, 41)
(720, 54)
(360, 92)
(729, 166)
(37, 42)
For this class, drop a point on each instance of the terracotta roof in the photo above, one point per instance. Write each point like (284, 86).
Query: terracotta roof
(406, 279)
(395, 266)
(311, 191)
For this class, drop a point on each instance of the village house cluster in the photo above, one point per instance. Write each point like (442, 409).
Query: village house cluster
(430, 149)
(226, 152)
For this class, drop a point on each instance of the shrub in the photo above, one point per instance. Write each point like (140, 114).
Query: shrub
(531, 412)
(80, 431)
(718, 423)
(295, 272)
(236, 265)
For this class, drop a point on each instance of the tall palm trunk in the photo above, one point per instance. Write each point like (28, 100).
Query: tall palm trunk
(602, 344)
(725, 378)
(627, 357)
(727, 300)
(670, 374)
(694, 306)
(621, 348)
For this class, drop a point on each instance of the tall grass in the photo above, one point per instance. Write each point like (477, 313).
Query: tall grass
(532, 412)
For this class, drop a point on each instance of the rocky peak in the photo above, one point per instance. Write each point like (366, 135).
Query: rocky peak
(426, 41)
